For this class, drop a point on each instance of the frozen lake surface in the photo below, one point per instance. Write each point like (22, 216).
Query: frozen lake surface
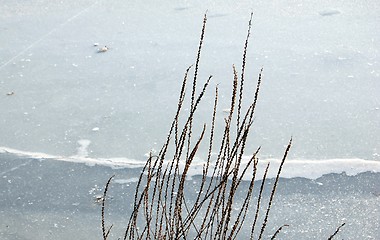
(71, 115)
(321, 74)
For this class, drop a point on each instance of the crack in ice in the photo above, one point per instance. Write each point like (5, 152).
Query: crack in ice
(16, 167)
(47, 34)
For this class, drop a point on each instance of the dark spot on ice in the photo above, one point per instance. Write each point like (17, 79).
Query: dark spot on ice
(330, 12)
(376, 194)
(181, 8)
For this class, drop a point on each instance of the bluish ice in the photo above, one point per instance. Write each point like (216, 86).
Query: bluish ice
(66, 102)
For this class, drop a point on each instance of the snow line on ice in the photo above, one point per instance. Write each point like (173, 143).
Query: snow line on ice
(315, 168)
(292, 168)
(108, 162)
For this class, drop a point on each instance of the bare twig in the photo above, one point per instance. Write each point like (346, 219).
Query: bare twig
(104, 230)
(336, 231)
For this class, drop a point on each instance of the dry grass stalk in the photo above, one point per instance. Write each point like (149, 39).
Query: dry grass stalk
(336, 231)
(243, 69)
(278, 231)
(104, 230)
(274, 189)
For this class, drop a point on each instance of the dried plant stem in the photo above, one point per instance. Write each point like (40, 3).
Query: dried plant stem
(259, 201)
(336, 231)
(274, 189)
(278, 231)
(104, 230)
(243, 69)
(195, 80)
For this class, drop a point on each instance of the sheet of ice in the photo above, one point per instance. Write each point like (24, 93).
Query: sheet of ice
(58, 199)
(72, 115)
(321, 74)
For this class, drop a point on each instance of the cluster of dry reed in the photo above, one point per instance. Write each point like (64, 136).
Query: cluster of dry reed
(161, 209)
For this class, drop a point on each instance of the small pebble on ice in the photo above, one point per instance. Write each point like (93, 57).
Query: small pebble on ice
(96, 44)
